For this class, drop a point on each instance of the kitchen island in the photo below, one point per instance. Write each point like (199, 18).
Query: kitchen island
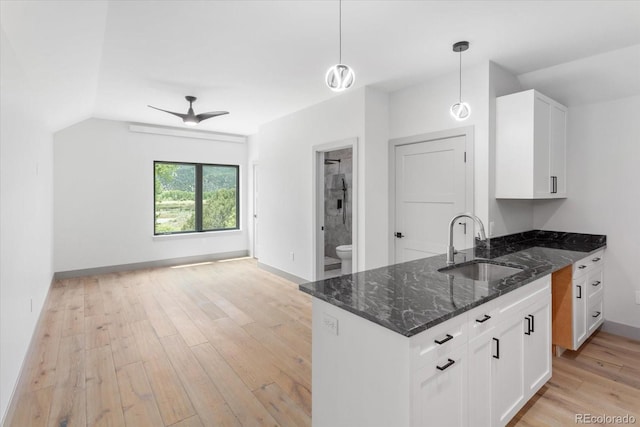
(407, 345)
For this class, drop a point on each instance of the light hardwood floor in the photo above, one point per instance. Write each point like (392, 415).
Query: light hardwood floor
(225, 343)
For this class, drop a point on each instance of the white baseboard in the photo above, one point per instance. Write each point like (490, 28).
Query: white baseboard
(285, 275)
(11, 409)
(621, 329)
(149, 264)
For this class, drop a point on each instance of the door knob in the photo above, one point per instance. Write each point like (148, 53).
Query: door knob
(398, 235)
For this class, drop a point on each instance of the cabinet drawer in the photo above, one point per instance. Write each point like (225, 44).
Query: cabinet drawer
(589, 263)
(438, 341)
(595, 315)
(482, 319)
(521, 297)
(595, 284)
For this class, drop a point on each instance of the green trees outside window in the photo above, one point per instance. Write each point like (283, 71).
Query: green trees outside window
(193, 197)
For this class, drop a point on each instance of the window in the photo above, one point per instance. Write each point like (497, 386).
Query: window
(194, 197)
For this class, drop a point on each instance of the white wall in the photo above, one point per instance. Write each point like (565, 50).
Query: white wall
(26, 217)
(424, 108)
(286, 178)
(506, 216)
(375, 169)
(104, 196)
(603, 152)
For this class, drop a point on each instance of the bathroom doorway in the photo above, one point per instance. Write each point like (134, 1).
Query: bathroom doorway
(335, 184)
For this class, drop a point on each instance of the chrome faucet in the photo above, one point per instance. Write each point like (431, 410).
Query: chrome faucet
(450, 249)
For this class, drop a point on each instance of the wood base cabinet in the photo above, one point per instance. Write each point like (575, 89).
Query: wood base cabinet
(476, 369)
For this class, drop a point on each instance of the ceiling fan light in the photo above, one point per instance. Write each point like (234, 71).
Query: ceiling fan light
(190, 121)
(460, 111)
(340, 77)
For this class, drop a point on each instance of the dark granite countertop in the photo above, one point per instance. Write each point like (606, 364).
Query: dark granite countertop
(411, 297)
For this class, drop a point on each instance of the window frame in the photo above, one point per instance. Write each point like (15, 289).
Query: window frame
(198, 197)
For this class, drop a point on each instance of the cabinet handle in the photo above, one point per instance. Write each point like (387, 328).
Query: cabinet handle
(582, 267)
(554, 184)
(579, 292)
(528, 319)
(446, 365)
(497, 355)
(533, 323)
(596, 283)
(596, 259)
(597, 314)
(484, 319)
(444, 340)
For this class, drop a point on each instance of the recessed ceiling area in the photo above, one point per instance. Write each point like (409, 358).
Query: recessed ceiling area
(261, 60)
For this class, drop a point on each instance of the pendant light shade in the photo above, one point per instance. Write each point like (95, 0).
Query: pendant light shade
(340, 76)
(460, 110)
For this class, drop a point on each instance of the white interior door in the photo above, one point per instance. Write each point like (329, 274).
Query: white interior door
(256, 218)
(430, 188)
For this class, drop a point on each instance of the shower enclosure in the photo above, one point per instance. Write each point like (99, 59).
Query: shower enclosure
(338, 206)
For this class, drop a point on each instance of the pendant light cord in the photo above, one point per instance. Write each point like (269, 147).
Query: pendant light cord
(460, 79)
(340, 29)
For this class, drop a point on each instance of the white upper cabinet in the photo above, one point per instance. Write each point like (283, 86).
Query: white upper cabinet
(530, 147)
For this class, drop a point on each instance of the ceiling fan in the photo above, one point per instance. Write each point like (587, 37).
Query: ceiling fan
(192, 118)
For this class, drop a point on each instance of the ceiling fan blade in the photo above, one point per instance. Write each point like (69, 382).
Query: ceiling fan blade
(182, 116)
(210, 114)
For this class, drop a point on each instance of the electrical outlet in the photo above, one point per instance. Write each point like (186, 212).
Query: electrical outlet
(292, 256)
(330, 323)
(638, 297)
(491, 226)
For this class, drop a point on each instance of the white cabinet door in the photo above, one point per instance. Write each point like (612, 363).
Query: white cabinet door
(480, 352)
(579, 311)
(439, 395)
(558, 150)
(537, 346)
(530, 147)
(541, 148)
(507, 373)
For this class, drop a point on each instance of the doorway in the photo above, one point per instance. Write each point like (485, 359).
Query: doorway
(335, 188)
(432, 180)
(256, 241)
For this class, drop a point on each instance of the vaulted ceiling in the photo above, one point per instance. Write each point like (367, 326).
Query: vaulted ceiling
(264, 59)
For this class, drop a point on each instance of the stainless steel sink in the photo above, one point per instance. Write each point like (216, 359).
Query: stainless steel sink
(483, 271)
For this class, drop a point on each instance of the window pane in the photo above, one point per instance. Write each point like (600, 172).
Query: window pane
(219, 197)
(175, 189)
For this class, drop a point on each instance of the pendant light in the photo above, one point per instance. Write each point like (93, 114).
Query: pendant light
(340, 76)
(460, 110)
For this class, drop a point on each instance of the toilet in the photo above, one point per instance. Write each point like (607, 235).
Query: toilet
(344, 253)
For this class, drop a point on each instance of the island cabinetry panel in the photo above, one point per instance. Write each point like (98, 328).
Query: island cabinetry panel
(470, 370)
